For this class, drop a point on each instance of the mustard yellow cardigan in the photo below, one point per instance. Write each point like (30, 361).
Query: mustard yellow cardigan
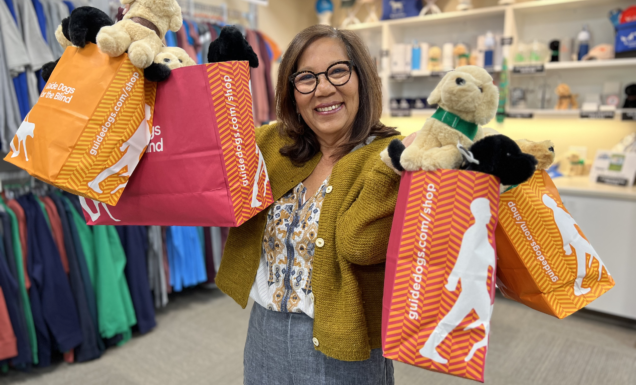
(348, 270)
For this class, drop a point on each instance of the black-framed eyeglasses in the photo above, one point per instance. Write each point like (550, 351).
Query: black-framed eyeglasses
(338, 74)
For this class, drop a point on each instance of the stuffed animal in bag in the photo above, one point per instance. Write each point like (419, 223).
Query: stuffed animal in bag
(231, 46)
(543, 152)
(467, 98)
(82, 27)
(79, 29)
(500, 156)
(141, 31)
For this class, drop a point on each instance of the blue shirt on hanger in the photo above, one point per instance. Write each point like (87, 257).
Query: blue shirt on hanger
(20, 81)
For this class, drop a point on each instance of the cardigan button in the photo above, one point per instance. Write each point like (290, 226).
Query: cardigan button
(320, 242)
(329, 189)
(311, 297)
(316, 343)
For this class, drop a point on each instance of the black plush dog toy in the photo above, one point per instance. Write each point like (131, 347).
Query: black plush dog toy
(500, 156)
(231, 46)
(80, 28)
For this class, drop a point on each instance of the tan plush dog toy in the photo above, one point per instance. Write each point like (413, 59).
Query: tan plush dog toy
(141, 31)
(467, 98)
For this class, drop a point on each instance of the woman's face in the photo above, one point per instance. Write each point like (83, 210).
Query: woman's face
(329, 111)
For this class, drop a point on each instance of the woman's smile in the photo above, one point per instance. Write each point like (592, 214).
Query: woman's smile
(329, 108)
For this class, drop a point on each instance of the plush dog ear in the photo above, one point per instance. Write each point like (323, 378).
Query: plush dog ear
(436, 95)
(175, 23)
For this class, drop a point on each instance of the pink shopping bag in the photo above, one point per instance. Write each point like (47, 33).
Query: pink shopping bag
(202, 166)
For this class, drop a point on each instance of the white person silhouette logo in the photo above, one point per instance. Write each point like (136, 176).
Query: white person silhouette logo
(26, 129)
(476, 256)
(572, 239)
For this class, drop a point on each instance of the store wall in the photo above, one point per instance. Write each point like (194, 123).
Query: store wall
(592, 134)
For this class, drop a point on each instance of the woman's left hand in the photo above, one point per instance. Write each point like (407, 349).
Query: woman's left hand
(409, 139)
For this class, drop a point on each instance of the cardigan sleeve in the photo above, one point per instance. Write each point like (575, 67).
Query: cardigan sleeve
(363, 230)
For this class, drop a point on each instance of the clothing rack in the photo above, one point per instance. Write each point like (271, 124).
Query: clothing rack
(220, 13)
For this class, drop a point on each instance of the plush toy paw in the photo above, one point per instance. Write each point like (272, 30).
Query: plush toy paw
(391, 156)
(413, 159)
(141, 55)
(48, 69)
(500, 156)
(114, 42)
(231, 46)
(61, 34)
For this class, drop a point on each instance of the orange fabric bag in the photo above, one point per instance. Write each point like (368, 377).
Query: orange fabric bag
(544, 260)
(90, 127)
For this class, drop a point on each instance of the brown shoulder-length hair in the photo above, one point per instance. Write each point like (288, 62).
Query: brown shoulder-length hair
(367, 122)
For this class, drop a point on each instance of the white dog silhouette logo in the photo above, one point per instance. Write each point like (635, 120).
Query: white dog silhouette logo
(133, 149)
(25, 129)
(396, 7)
(476, 256)
(95, 215)
(261, 168)
(572, 239)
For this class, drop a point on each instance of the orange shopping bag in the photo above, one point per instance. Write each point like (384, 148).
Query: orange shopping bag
(544, 260)
(440, 270)
(90, 126)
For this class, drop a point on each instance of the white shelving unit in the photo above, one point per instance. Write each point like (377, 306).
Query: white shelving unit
(543, 20)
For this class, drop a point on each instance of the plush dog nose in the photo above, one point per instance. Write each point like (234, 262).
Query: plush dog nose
(551, 149)
(460, 81)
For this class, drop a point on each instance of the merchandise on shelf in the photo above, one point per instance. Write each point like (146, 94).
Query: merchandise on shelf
(447, 57)
(324, 10)
(430, 8)
(435, 59)
(464, 5)
(398, 9)
(583, 42)
(600, 52)
(489, 52)
(461, 55)
(567, 100)
(416, 57)
(554, 50)
(625, 44)
(565, 49)
(611, 94)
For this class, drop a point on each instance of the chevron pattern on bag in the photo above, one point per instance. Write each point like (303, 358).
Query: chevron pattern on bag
(448, 219)
(81, 167)
(232, 100)
(531, 230)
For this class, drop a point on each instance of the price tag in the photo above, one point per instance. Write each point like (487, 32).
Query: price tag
(529, 69)
(506, 40)
(597, 114)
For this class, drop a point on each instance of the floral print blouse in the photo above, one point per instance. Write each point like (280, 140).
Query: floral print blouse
(283, 279)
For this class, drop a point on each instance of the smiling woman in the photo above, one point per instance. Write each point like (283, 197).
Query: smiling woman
(314, 261)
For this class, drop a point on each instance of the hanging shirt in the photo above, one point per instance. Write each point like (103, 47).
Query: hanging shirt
(283, 279)
(187, 267)
(16, 60)
(9, 288)
(156, 274)
(106, 263)
(134, 240)
(75, 251)
(259, 88)
(22, 227)
(8, 341)
(52, 301)
(21, 270)
(56, 229)
(9, 109)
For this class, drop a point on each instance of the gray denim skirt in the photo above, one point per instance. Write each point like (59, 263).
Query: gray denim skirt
(279, 351)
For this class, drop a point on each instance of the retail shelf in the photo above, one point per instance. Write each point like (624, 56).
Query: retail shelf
(366, 26)
(424, 74)
(591, 64)
(554, 6)
(446, 17)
